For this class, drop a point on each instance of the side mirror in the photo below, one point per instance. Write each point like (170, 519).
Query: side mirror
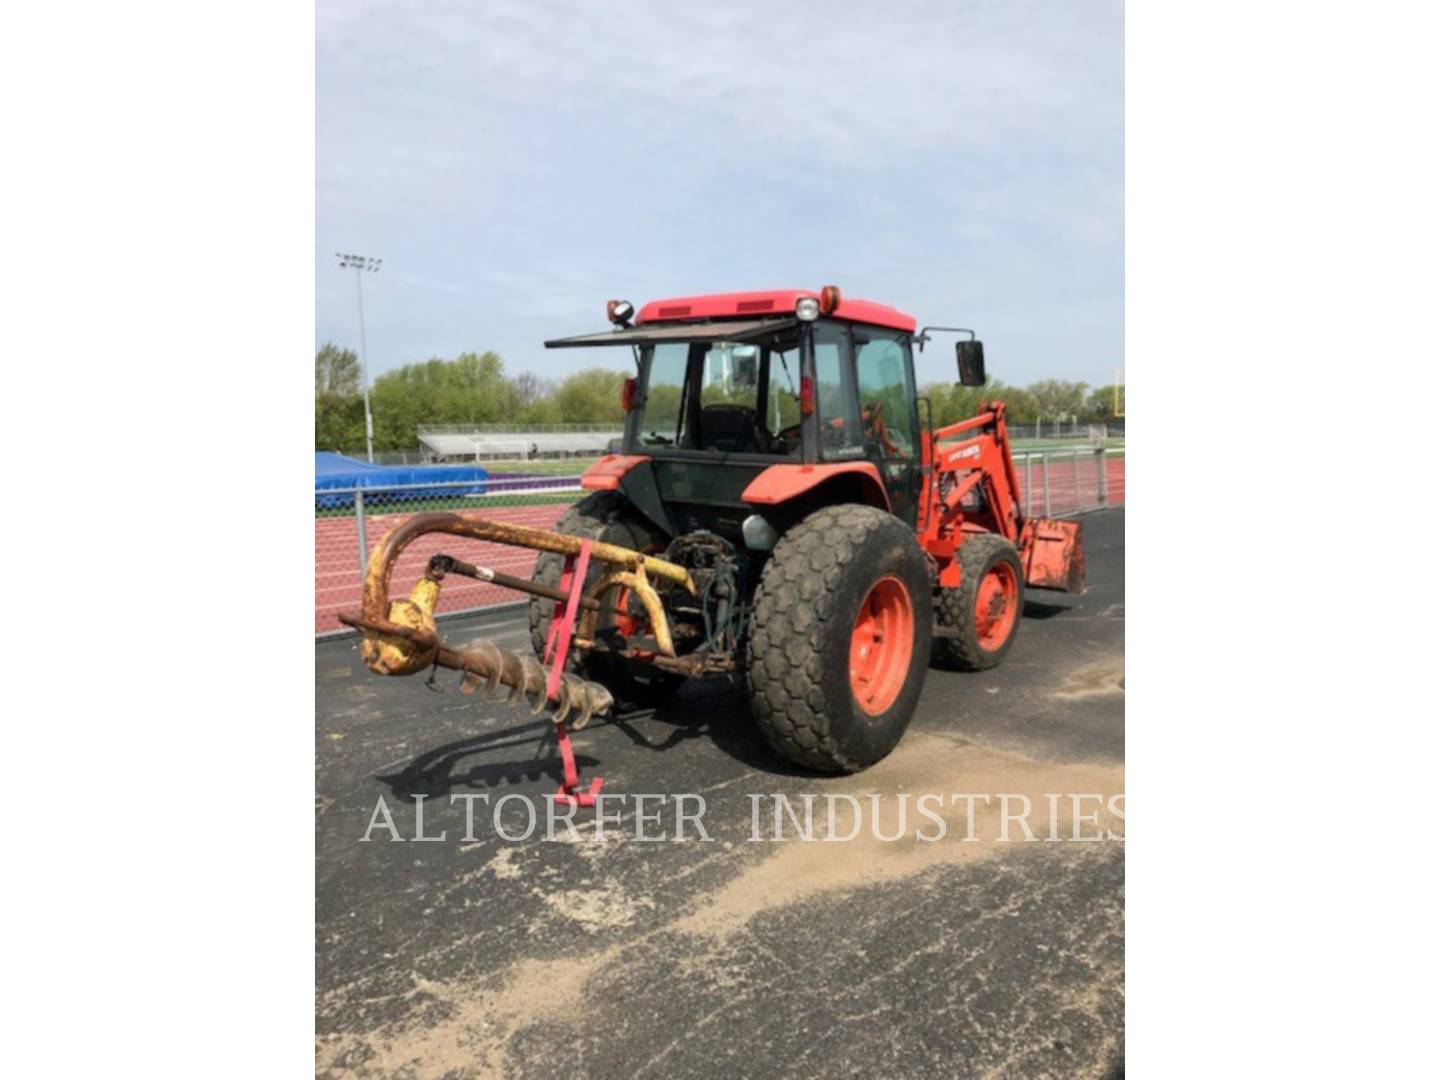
(970, 356)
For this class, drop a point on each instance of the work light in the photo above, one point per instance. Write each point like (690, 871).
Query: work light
(619, 312)
(807, 309)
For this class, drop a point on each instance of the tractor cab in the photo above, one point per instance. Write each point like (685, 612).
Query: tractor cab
(729, 387)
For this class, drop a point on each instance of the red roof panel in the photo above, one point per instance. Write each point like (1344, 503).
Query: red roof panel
(766, 302)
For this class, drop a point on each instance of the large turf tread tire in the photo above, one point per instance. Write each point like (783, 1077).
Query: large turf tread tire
(608, 517)
(956, 607)
(799, 656)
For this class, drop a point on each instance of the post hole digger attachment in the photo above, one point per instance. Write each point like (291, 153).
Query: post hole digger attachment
(400, 637)
(778, 512)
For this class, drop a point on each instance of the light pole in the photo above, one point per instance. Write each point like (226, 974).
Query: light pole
(361, 264)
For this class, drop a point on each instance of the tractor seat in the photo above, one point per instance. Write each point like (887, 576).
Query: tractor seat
(731, 429)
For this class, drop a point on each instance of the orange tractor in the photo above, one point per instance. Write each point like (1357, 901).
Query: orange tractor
(780, 508)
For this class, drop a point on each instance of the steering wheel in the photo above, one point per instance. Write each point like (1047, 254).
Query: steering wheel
(733, 424)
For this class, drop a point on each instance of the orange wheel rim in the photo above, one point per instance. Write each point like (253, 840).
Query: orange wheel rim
(995, 606)
(628, 622)
(880, 646)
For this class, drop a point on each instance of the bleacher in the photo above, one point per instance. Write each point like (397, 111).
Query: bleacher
(457, 444)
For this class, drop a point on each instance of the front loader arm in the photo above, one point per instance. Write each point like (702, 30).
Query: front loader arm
(987, 453)
(1050, 549)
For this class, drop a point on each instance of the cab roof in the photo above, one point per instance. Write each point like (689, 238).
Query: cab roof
(767, 302)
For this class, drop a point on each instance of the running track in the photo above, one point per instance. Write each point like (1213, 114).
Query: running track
(337, 558)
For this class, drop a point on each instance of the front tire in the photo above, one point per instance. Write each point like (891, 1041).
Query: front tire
(840, 638)
(984, 611)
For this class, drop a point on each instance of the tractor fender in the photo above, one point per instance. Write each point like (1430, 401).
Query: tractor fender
(781, 483)
(608, 471)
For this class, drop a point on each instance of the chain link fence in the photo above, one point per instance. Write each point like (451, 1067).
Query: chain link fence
(349, 522)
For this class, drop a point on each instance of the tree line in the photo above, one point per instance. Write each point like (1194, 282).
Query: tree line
(1044, 401)
(473, 388)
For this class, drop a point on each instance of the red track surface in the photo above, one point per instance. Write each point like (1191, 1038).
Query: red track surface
(337, 557)
(337, 561)
(1066, 478)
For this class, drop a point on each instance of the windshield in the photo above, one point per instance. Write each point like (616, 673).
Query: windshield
(724, 396)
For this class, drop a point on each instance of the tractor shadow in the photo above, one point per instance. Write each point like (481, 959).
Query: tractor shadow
(465, 765)
(712, 708)
(709, 708)
(1040, 609)
(715, 708)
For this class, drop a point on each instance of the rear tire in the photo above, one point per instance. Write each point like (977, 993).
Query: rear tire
(985, 608)
(840, 638)
(607, 517)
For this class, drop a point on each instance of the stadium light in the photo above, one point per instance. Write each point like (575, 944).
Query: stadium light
(363, 264)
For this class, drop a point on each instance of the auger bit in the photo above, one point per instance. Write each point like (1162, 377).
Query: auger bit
(400, 637)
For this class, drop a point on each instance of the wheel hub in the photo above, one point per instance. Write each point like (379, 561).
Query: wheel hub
(881, 643)
(996, 600)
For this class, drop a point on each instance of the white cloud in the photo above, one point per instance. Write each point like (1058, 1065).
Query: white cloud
(529, 159)
(845, 81)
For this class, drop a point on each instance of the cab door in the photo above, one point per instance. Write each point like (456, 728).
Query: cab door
(885, 389)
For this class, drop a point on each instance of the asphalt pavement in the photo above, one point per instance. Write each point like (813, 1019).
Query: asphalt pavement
(613, 956)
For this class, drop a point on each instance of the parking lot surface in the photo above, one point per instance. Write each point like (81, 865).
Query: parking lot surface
(734, 956)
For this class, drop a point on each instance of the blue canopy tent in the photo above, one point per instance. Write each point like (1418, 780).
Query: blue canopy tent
(336, 471)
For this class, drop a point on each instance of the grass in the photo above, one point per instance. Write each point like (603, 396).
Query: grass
(544, 467)
(1031, 445)
(375, 507)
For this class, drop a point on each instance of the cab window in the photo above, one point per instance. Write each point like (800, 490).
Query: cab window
(665, 392)
(840, 433)
(782, 396)
(732, 397)
(883, 386)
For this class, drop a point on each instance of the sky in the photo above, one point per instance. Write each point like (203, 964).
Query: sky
(517, 164)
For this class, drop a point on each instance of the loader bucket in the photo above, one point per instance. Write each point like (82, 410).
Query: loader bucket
(1053, 554)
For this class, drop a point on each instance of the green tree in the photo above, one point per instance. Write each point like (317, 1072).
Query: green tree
(531, 388)
(591, 396)
(1100, 405)
(337, 371)
(1057, 399)
(471, 389)
(339, 408)
(1021, 407)
(535, 399)
(943, 409)
(544, 410)
(339, 423)
(952, 402)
